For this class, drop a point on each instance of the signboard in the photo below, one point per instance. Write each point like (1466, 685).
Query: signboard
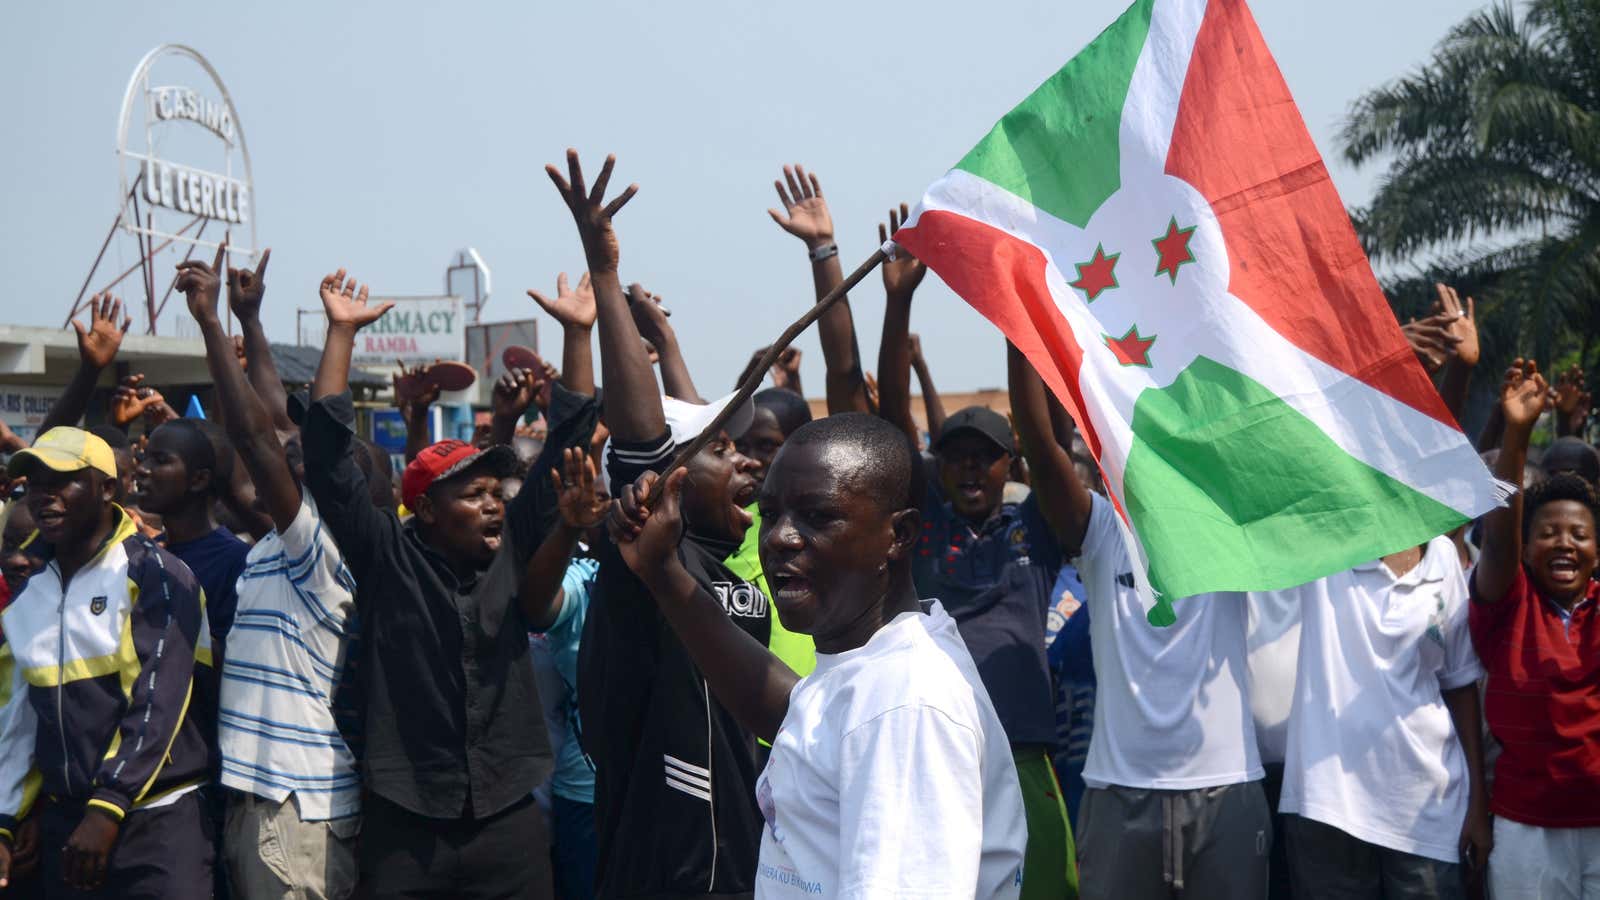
(389, 430)
(416, 330)
(486, 342)
(24, 408)
(181, 151)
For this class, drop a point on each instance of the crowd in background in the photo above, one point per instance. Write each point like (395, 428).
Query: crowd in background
(246, 657)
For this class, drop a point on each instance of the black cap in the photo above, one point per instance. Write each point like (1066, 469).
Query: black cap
(979, 420)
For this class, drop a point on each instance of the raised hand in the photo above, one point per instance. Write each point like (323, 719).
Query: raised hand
(1431, 340)
(805, 214)
(346, 306)
(1572, 400)
(200, 285)
(649, 316)
(514, 392)
(786, 371)
(580, 504)
(590, 211)
(648, 538)
(572, 308)
(1524, 394)
(902, 274)
(1463, 323)
(130, 400)
(98, 342)
(246, 287)
(412, 395)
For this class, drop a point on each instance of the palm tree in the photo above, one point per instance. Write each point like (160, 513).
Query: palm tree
(1493, 179)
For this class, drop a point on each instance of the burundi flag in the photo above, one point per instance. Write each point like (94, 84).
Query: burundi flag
(1154, 228)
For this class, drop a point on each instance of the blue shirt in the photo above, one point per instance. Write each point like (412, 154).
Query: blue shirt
(217, 560)
(573, 778)
(995, 581)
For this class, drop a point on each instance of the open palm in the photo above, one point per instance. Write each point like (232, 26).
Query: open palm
(572, 308)
(346, 303)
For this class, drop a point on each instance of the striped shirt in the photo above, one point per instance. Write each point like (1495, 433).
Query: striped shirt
(286, 657)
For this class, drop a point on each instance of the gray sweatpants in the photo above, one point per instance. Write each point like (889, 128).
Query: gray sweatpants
(1137, 843)
(1328, 863)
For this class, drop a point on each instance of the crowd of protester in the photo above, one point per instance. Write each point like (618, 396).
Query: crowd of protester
(842, 657)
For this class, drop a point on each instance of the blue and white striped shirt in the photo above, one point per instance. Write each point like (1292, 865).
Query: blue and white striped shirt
(286, 658)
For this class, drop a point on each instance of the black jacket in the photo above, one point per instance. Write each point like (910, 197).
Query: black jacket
(453, 724)
(675, 808)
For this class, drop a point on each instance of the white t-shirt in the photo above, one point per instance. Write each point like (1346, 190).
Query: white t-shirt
(1372, 749)
(891, 776)
(1272, 638)
(1170, 708)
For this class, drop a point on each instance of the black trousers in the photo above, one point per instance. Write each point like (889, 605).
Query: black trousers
(503, 857)
(164, 853)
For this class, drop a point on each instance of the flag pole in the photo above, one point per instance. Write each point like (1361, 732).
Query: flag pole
(758, 372)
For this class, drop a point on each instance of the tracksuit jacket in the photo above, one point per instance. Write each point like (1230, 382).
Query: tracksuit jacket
(112, 676)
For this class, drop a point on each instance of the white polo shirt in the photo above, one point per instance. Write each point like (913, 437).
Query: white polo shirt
(1372, 749)
(1171, 710)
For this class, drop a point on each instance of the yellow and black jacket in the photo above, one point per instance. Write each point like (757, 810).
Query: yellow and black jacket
(112, 675)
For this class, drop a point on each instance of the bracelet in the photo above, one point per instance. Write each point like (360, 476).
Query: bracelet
(824, 252)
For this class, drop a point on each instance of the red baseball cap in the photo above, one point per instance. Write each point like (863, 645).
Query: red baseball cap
(447, 459)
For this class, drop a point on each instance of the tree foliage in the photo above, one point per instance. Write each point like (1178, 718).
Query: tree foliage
(1492, 149)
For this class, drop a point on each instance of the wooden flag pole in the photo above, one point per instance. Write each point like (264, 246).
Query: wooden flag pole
(759, 372)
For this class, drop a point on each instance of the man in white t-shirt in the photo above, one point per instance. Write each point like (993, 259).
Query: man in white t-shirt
(890, 774)
(1174, 806)
(1383, 786)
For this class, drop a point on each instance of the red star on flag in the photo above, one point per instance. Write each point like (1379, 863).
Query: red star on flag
(1097, 274)
(1173, 248)
(1131, 349)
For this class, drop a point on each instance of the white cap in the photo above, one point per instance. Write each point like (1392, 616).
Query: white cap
(687, 420)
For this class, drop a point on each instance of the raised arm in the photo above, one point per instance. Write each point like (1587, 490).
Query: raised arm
(1572, 402)
(1523, 396)
(513, 393)
(246, 287)
(633, 407)
(413, 398)
(347, 312)
(249, 425)
(1462, 352)
(749, 681)
(1063, 500)
(575, 311)
(805, 215)
(97, 349)
(650, 317)
(581, 508)
(932, 403)
(901, 276)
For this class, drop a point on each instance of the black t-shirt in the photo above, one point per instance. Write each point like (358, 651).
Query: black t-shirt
(675, 809)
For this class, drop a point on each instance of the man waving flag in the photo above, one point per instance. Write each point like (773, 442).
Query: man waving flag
(1154, 228)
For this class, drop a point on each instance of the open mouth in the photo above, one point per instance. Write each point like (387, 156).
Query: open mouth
(491, 534)
(1563, 567)
(789, 588)
(742, 498)
(970, 490)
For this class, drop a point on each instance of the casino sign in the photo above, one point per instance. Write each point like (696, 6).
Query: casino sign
(182, 159)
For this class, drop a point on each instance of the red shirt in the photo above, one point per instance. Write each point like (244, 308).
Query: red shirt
(1543, 704)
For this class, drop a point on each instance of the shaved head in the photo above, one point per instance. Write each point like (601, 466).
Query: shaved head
(868, 454)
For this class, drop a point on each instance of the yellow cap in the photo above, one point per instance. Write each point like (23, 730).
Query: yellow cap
(65, 449)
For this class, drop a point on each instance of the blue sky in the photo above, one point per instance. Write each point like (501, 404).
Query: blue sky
(386, 136)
